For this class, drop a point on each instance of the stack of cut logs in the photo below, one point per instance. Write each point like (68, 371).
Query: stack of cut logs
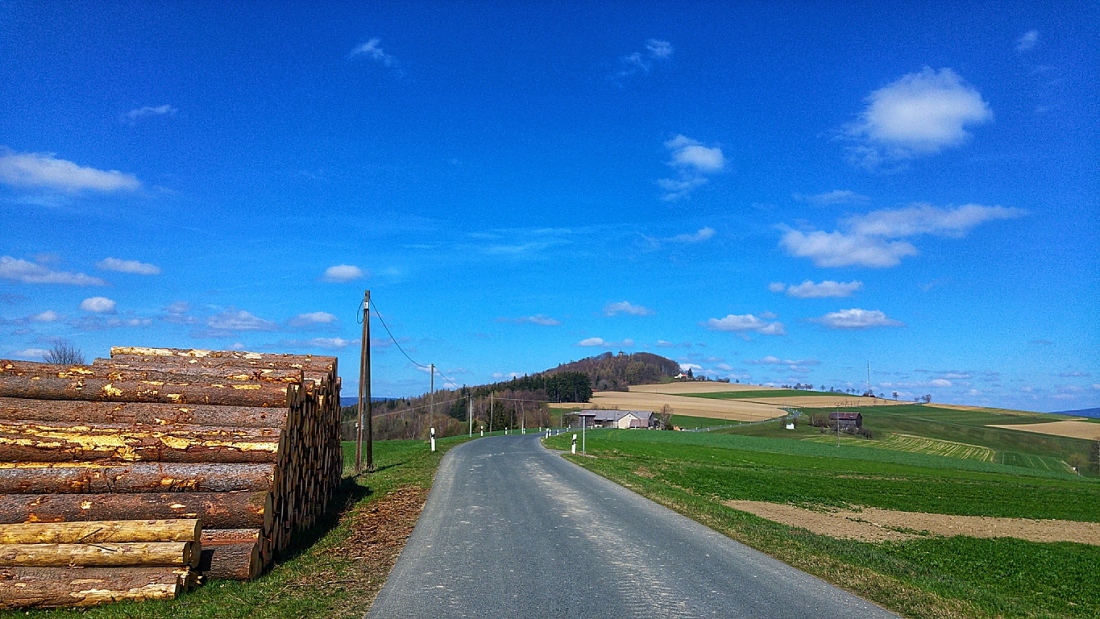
(246, 443)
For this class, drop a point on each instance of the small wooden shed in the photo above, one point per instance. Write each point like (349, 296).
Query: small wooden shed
(847, 421)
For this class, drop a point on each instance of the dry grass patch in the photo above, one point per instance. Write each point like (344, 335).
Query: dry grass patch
(879, 525)
(733, 410)
(1073, 428)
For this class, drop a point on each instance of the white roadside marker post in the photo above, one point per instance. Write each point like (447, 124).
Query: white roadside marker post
(433, 440)
(574, 444)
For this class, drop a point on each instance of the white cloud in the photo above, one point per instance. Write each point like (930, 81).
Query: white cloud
(800, 366)
(741, 323)
(693, 162)
(36, 354)
(658, 48)
(837, 249)
(642, 62)
(537, 319)
(927, 219)
(690, 366)
(98, 305)
(128, 266)
(331, 343)
(592, 341)
(148, 110)
(312, 319)
(626, 307)
(876, 238)
(940, 382)
(371, 49)
(1027, 41)
(33, 273)
(46, 316)
(777, 287)
(343, 273)
(826, 289)
(919, 114)
(857, 319)
(830, 198)
(239, 320)
(43, 170)
(704, 234)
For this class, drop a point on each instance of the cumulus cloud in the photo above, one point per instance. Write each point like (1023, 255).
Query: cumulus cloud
(810, 290)
(331, 343)
(31, 353)
(45, 171)
(537, 319)
(800, 366)
(343, 273)
(940, 382)
(46, 316)
(742, 323)
(311, 319)
(1027, 41)
(831, 198)
(693, 162)
(373, 50)
(919, 114)
(626, 307)
(98, 305)
(19, 270)
(856, 318)
(876, 239)
(148, 110)
(128, 266)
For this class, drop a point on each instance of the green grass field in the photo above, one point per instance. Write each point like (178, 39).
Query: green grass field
(311, 580)
(689, 422)
(932, 577)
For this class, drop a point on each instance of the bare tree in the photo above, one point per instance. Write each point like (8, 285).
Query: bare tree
(64, 352)
(665, 417)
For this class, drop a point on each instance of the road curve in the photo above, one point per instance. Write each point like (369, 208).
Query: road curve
(511, 529)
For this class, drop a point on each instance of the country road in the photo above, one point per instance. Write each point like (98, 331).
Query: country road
(511, 529)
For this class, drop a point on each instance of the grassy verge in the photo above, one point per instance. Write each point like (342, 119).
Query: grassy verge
(331, 571)
(928, 577)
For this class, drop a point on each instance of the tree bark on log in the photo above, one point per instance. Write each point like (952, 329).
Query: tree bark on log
(196, 353)
(76, 411)
(107, 554)
(109, 371)
(210, 365)
(97, 478)
(35, 442)
(216, 510)
(105, 531)
(231, 561)
(52, 587)
(100, 390)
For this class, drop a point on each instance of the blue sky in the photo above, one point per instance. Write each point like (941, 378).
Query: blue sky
(772, 192)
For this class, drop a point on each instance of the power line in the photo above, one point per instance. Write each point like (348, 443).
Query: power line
(392, 338)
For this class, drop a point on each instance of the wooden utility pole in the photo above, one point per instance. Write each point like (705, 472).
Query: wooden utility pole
(364, 394)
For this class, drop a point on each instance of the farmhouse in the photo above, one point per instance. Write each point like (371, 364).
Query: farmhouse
(616, 419)
(847, 421)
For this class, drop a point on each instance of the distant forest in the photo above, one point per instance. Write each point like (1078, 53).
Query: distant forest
(520, 401)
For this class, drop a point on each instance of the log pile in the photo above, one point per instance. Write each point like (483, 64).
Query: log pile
(246, 443)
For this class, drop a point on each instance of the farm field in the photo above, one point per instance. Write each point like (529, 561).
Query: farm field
(917, 444)
(731, 410)
(1071, 428)
(916, 575)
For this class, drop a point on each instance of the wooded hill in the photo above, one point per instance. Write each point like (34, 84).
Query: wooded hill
(520, 401)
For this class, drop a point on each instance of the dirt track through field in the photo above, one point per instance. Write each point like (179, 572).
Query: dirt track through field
(879, 525)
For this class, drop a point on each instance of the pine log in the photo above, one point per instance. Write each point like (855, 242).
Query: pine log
(213, 537)
(100, 390)
(217, 510)
(323, 366)
(112, 531)
(76, 411)
(197, 353)
(105, 554)
(163, 375)
(52, 587)
(100, 478)
(231, 561)
(24, 441)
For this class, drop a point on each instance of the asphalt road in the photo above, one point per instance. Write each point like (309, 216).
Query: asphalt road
(511, 529)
